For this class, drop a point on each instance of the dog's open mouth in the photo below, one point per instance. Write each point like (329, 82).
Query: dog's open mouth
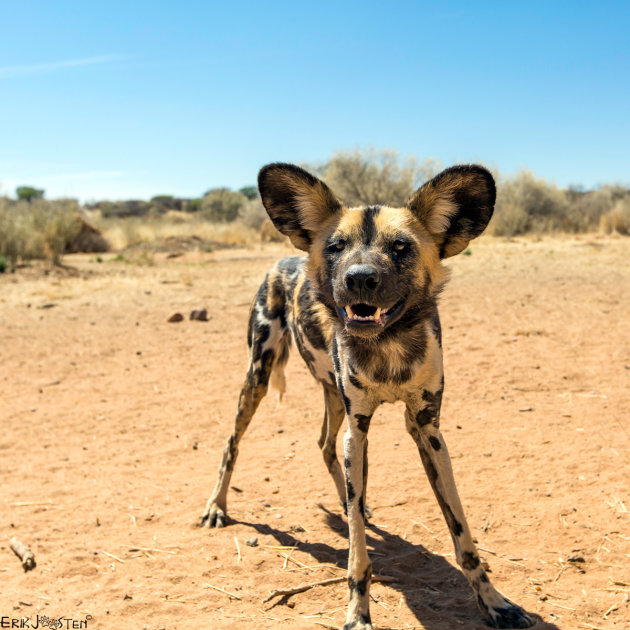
(368, 314)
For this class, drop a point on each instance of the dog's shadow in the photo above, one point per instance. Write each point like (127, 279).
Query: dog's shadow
(436, 592)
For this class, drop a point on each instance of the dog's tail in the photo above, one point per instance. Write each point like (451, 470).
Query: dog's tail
(277, 379)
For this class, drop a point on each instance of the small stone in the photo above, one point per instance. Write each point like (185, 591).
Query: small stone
(252, 542)
(576, 559)
(199, 314)
(175, 317)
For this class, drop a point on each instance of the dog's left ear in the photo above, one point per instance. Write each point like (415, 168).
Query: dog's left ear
(455, 206)
(297, 202)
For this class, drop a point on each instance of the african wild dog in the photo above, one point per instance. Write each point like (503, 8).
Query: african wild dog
(362, 310)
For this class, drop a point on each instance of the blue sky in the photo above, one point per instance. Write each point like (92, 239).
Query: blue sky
(133, 99)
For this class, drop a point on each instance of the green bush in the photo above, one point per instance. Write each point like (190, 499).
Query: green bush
(3, 264)
(28, 193)
(194, 205)
(251, 192)
(222, 205)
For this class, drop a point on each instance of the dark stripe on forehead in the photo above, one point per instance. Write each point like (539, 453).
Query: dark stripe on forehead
(368, 229)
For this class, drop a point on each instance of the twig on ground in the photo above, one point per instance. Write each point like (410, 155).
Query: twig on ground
(111, 555)
(152, 549)
(217, 588)
(613, 607)
(306, 587)
(238, 549)
(288, 558)
(23, 553)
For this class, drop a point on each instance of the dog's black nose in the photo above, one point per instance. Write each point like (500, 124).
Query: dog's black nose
(360, 277)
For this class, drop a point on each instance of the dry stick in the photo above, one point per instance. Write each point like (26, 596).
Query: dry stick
(613, 607)
(23, 553)
(174, 553)
(306, 587)
(111, 555)
(216, 588)
(238, 549)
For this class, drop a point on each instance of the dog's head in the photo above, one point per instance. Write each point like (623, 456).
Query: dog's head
(374, 264)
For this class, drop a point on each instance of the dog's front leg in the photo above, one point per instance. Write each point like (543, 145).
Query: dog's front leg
(359, 566)
(423, 425)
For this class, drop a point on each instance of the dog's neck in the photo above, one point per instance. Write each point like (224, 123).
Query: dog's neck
(396, 354)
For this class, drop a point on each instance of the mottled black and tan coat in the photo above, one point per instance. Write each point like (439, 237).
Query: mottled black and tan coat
(361, 307)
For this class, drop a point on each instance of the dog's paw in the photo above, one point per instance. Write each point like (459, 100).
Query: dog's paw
(508, 615)
(214, 516)
(362, 623)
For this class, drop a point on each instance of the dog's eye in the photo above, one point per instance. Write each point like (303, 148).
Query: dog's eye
(337, 246)
(400, 246)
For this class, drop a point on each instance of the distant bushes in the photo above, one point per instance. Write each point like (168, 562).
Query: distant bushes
(617, 219)
(32, 227)
(526, 204)
(371, 176)
(37, 229)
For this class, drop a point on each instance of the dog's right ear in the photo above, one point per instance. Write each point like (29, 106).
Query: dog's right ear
(297, 202)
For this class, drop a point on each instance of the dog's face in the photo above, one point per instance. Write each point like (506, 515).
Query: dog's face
(373, 265)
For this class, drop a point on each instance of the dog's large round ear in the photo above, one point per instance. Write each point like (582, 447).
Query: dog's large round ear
(455, 206)
(297, 202)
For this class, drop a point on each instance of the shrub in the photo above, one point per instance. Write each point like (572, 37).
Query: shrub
(222, 205)
(509, 220)
(269, 233)
(617, 219)
(37, 229)
(251, 192)
(193, 205)
(3, 264)
(526, 204)
(131, 208)
(28, 193)
(371, 176)
(253, 213)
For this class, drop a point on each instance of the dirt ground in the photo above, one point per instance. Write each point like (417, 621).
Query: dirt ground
(113, 423)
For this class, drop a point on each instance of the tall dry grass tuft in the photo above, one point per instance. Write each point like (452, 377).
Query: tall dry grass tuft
(617, 219)
(122, 233)
(38, 229)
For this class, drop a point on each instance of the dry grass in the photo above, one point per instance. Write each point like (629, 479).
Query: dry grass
(617, 219)
(122, 233)
(37, 230)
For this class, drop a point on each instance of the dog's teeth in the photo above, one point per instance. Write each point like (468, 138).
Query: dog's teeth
(377, 315)
(349, 312)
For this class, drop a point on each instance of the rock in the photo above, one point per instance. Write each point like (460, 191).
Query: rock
(252, 542)
(175, 317)
(199, 314)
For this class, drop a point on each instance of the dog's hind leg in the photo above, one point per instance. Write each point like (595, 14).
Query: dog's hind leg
(333, 417)
(269, 350)
(423, 425)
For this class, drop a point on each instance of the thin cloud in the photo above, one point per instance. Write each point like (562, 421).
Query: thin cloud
(54, 66)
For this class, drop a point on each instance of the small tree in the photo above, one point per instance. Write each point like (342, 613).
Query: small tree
(371, 176)
(28, 193)
(251, 192)
(222, 204)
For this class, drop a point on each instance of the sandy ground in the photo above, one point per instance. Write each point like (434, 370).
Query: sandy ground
(113, 422)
